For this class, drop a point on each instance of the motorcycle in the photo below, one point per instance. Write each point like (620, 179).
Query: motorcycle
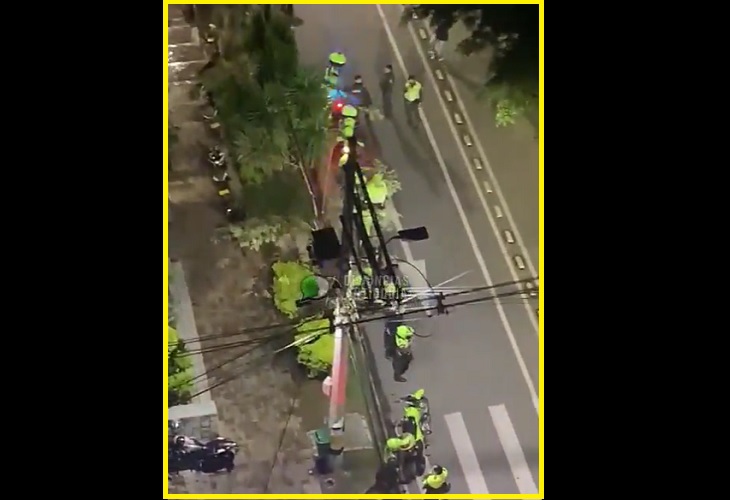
(416, 416)
(192, 454)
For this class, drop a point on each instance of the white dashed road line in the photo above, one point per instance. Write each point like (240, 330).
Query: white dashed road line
(460, 209)
(489, 171)
(469, 140)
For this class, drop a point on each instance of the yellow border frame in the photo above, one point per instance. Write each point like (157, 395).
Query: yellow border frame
(541, 268)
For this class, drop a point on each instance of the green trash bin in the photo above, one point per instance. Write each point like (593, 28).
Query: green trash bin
(322, 460)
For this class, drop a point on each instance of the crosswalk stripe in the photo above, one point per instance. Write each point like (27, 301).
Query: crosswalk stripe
(465, 453)
(512, 449)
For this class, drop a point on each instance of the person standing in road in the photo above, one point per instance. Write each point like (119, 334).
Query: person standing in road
(412, 99)
(362, 94)
(398, 349)
(435, 481)
(386, 89)
(438, 40)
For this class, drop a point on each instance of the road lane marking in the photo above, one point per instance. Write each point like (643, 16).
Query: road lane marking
(505, 252)
(512, 449)
(490, 171)
(509, 236)
(465, 453)
(462, 214)
(520, 262)
(467, 139)
(498, 211)
(448, 95)
(486, 184)
(422, 33)
(439, 74)
(478, 163)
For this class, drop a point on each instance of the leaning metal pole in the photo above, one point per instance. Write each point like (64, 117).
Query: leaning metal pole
(344, 308)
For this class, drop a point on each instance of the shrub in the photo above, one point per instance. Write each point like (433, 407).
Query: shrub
(180, 374)
(316, 352)
(288, 277)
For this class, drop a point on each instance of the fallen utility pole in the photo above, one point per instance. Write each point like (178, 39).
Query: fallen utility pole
(356, 206)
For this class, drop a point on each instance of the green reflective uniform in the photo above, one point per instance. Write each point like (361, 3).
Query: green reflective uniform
(436, 481)
(349, 111)
(403, 336)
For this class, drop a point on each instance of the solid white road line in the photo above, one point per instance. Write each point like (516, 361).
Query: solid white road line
(465, 453)
(465, 157)
(512, 449)
(462, 215)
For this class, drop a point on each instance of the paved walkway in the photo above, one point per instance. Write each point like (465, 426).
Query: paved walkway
(261, 403)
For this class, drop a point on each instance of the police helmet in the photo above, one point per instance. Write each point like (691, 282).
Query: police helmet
(349, 111)
(337, 59)
(393, 443)
(438, 470)
(358, 78)
(180, 441)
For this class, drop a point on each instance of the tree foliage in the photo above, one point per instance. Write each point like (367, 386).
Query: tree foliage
(513, 32)
(272, 112)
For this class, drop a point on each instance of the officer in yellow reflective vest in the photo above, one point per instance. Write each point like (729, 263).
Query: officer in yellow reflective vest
(348, 122)
(397, 445)
(412, 98)
(435, 481)
(397, 348)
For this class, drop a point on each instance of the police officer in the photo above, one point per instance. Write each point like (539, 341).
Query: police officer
(435, 481)
(332, 74)
(396, 445)
(386, 478)
(386, 90)
(397, 349)
(348, 122)
(412, 98)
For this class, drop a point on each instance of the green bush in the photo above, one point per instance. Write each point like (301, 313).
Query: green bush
(317, 354)
(288, 277)
(180, 373)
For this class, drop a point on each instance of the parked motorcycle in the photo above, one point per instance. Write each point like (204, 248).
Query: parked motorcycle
(192, 454)
(416, 418)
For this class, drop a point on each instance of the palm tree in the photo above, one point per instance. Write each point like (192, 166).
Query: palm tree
(273, 114)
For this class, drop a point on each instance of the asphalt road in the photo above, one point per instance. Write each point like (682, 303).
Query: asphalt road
(479, 366)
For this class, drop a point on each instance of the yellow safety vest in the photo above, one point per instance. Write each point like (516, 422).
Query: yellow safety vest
(413, 92)
(402, 343)
(435, 481)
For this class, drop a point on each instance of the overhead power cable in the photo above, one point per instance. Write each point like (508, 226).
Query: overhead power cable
(409, 312)
(286, 327)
